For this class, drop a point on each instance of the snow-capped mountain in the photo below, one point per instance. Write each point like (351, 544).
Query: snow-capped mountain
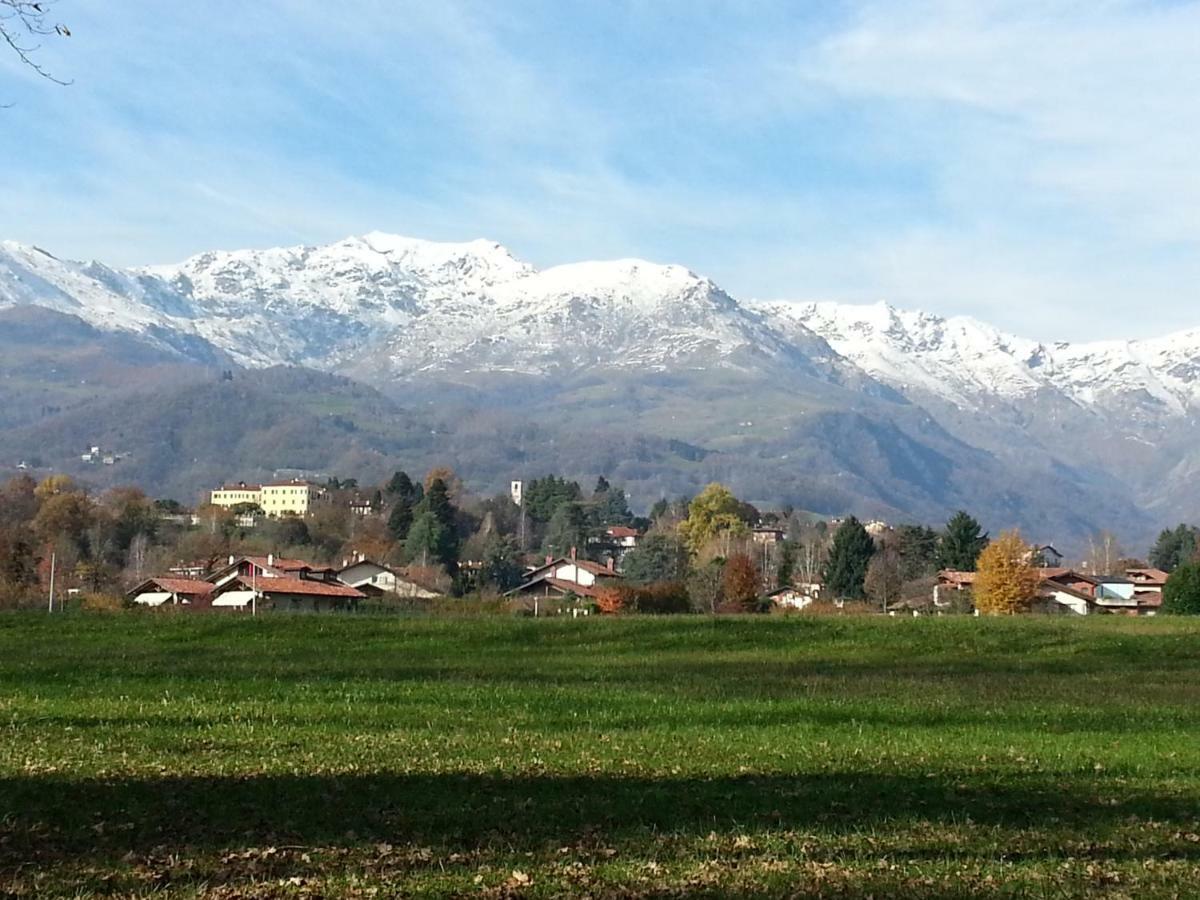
(392, 306)
(975, 366)
(899, 412)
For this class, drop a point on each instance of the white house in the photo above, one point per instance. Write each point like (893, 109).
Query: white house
(375, 579)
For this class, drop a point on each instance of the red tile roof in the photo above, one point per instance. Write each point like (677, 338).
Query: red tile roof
(952, 576)
(572, 587)
(622, 531)
(1147, 576)
(595, 568)
(284, 565)
(300, 586)
(177, 586)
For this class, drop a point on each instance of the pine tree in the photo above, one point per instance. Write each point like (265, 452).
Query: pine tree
(962, 542)
(567, 530)
(400, 485)
(400, 520)
(1006, 581)
(846, 567)
(1174, 547)
(786, 569)
(657, 557)
(436, 504)
(427, 541)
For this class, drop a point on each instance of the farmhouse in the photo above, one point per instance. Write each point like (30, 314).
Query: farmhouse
(375, 580)
(623, 536)
(286, 594)
(559, 577)
(172, 592)
(797, 596)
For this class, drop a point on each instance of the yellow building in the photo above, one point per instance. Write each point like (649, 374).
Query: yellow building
(232, 494)
(282, 498)
(290, 498)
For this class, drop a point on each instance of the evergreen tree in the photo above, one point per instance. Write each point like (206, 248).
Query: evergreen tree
(786, 569)
(602, 486)
(500, 569)
(657, 557)
(1181, 593)
(436, 504)
(567, 529)
(400, 485)
(660, 508)
(401, 519)
(846, 567)
(962, 542)
(917, 549)
(545, 495)
(427, 541)
(1174, 547)
(612, 508)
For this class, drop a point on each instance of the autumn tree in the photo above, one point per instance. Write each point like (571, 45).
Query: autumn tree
(449, 479)
(740, 584)
(18, 502)
(1006, 581)
(846, 567)
(715, 512)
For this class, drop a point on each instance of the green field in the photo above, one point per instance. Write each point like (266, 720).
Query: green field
(233, 757)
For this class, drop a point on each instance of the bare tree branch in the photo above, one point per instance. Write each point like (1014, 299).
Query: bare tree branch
(23, 23)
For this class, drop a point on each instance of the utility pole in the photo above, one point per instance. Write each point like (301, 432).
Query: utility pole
(52, 562)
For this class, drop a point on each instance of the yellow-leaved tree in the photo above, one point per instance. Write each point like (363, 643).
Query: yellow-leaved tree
(714, 512)
(1005, 580)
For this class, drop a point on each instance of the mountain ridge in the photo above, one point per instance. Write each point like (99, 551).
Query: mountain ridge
(658, 350)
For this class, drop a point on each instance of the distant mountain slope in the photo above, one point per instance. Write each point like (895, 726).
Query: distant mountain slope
(836, 408)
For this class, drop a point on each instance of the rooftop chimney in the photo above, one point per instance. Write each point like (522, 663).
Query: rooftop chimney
(270, 559)
(610, 564)
(574, 553)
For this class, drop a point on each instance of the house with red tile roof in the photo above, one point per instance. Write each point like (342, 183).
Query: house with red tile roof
(172, 592)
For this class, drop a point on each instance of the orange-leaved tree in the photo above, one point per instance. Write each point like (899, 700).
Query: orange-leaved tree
(1005, 581)
(611, 600)
(740, 584)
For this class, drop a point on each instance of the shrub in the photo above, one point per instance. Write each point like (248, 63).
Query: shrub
(1181, 593)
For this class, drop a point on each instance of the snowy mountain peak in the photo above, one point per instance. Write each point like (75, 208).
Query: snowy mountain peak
(972, 364)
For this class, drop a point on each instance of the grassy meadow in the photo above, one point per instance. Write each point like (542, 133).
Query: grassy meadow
(787, 756)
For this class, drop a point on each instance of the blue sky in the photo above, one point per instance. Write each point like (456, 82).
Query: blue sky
(1033, 164)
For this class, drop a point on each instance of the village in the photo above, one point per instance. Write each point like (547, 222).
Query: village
(710, 554)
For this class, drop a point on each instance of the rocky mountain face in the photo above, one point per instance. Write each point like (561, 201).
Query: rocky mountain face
(882, 411)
